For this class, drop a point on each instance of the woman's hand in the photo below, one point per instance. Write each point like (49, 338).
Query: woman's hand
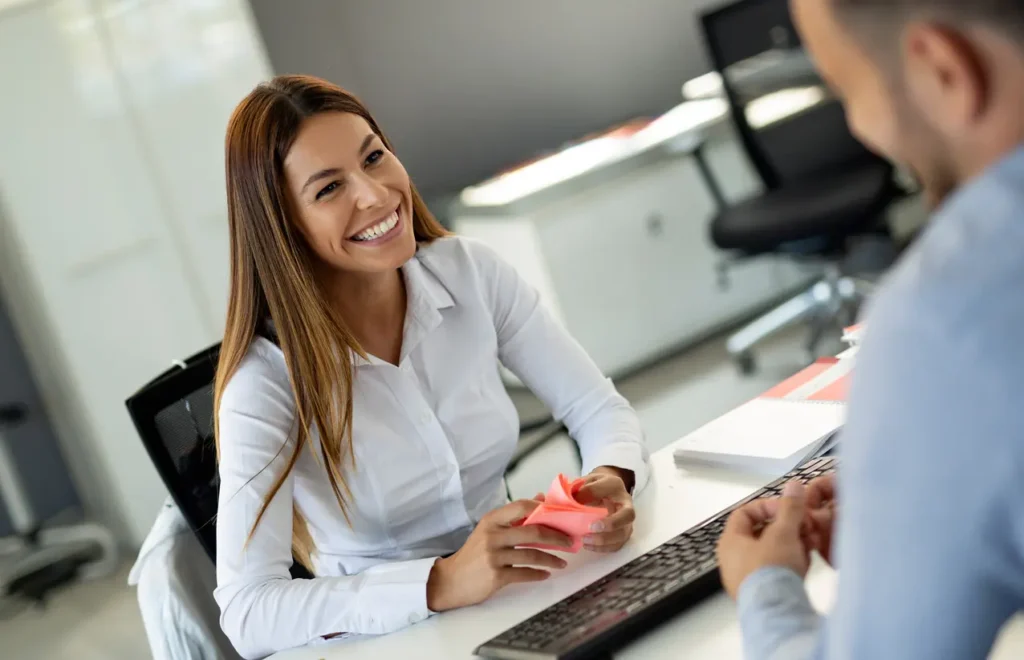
(606, 487)
(490, 559)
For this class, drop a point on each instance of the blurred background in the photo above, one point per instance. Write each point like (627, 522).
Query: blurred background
(681, 191)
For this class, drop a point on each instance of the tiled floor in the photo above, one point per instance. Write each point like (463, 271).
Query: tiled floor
(101, 619)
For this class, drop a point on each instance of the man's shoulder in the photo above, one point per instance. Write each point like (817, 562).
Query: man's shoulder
(959, 287)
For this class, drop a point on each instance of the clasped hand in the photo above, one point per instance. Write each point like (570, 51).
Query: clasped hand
(494, 557)
(779, 531)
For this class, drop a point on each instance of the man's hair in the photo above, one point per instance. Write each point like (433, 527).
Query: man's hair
(882, 16)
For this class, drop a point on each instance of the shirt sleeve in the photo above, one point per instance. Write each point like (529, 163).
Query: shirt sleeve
(263, 610)
(776, 617)
(930, 540)
(538, 350)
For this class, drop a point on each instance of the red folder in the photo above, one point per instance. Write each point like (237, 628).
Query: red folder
(835, 391)
(792, 383)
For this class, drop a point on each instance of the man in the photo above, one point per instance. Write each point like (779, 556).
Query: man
(930, 536)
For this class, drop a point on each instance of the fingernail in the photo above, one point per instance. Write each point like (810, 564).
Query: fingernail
(588, 540)
(597, 527)
(793, 489)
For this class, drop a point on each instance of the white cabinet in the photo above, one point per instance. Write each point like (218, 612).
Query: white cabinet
(627, 264)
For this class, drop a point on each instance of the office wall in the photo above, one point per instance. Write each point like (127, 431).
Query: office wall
(114, 231)
(467, 87)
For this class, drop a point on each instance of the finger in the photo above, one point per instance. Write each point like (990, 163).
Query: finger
(517, 575)
(532, 535)
(743, 521)
(609, 541)
(790, 510)
(529, 557)
(750, 518)
(820, 491)
(823, 518)
(512, 512)
(602, 487)
(539, 497)
(621, 518)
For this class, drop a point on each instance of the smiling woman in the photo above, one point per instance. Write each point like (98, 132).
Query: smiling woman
(362, 425)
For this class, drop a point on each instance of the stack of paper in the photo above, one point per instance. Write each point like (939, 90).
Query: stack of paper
(767, 436)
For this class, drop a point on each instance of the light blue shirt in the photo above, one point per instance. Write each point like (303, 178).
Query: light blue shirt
(931, 487)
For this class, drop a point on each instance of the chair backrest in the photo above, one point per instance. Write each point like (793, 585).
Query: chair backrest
(766, 73)
(173, 414)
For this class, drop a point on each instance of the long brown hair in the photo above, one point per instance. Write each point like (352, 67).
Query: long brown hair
(272, 278)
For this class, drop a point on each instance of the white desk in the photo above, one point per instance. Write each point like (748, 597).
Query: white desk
(672, 502)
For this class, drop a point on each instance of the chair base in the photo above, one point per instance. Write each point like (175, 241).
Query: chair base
(830, 302)
(36, 565)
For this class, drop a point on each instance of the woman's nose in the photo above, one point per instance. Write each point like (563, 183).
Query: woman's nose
(369, 192)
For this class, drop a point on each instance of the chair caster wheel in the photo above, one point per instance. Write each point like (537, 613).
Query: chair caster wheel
(746, 363)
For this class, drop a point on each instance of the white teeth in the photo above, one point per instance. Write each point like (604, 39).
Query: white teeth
(378, 229)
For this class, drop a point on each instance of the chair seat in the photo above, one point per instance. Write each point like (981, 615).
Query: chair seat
(829, 207)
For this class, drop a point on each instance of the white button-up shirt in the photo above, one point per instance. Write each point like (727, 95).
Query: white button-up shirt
(432, 438)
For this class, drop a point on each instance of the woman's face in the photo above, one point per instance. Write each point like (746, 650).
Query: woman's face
(352, 196)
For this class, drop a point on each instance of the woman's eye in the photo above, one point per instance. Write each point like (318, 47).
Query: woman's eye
(375, 156)
(328, 189)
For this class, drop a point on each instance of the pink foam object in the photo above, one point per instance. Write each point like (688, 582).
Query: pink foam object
(562, 512)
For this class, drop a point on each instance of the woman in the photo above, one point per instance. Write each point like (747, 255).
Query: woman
(363, 428)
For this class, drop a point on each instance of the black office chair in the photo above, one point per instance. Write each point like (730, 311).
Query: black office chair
(822, 187)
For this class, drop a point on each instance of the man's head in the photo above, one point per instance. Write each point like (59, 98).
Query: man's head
(936, 85)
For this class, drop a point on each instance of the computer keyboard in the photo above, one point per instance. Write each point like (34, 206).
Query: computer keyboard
(634, 598)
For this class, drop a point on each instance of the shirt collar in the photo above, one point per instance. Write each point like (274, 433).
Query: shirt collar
(426, 297)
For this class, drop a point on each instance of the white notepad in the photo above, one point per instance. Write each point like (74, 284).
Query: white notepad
(769, 436)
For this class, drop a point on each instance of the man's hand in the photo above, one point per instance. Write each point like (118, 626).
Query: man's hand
(765, 532)
(821, 515)
(606, 487)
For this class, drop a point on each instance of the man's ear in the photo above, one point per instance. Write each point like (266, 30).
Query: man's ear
(944, 77)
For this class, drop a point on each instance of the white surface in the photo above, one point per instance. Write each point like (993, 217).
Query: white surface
(114, 224)
(763, 432)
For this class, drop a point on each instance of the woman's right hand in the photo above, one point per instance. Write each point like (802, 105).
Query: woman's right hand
(490, 559)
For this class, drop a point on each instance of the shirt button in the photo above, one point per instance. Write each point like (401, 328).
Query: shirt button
(426, 418)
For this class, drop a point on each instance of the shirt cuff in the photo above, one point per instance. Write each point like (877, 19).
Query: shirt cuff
(397, 593)
(776, 616)
(626, 455)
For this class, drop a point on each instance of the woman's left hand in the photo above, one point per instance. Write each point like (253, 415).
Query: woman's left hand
(606, 487)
